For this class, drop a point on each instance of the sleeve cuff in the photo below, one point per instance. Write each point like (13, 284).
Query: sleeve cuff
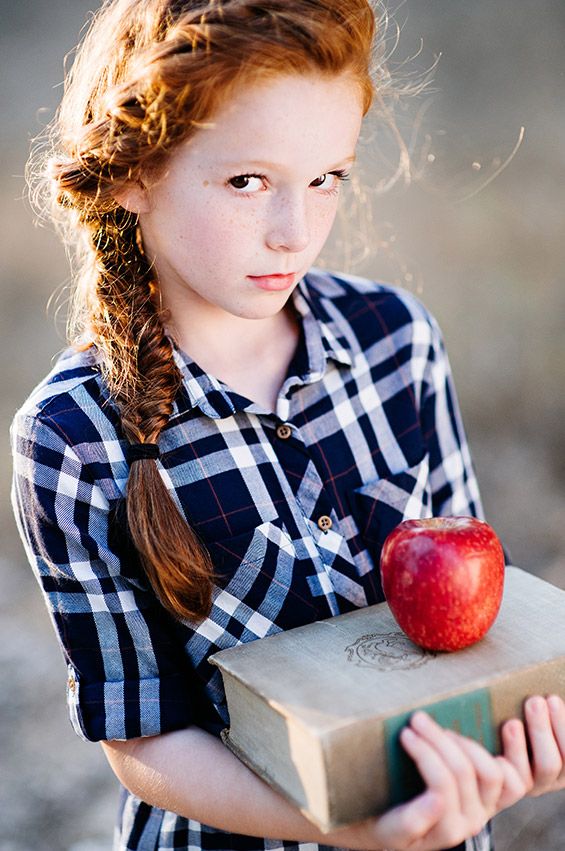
(128, 709)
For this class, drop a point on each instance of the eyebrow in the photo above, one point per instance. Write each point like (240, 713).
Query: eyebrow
(275, 166)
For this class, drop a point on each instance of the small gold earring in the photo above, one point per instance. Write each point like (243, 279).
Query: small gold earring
(139, 241)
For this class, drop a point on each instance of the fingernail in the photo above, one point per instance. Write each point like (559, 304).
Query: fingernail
(555, 702)
(420, 720)
(535, 704)
(408, 735)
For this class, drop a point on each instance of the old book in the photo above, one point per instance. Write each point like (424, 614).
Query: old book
(316, 710)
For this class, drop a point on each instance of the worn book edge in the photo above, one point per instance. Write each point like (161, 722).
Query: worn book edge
(303, 762)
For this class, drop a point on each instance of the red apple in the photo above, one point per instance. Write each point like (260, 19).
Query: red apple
(443, 580)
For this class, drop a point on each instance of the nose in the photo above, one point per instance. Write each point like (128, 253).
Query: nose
(288, 228)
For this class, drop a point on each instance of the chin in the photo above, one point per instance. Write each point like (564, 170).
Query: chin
(269, 307)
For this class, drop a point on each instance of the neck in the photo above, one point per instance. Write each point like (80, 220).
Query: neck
(237, 343)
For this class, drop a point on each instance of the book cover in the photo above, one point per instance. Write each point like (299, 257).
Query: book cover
(316, 711)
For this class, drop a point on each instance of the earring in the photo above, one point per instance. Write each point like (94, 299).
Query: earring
(139, 241)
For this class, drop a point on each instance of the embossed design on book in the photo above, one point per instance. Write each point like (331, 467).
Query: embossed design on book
(387, 651)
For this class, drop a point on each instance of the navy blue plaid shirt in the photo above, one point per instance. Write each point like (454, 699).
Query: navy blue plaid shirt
(293, 505)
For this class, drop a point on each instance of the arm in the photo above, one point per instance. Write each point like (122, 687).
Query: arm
(193, 774)
(128, 675)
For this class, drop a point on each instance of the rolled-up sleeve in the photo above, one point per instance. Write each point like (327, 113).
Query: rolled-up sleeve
(127, 673)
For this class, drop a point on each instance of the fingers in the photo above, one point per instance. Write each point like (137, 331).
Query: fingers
(466, 785)
(513, 787)
(489, 772)
(436, 756)
(478, 777)
(405, 825)
(556, 707)
(462, 776)
(545, 722)
(544, 769)
(504, 785)
(515, 749)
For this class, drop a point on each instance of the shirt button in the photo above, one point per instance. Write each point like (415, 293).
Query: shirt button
(284, 432)
(71, 684)
(325, 523)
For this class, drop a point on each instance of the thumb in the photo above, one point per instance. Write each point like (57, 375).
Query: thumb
(405, 824)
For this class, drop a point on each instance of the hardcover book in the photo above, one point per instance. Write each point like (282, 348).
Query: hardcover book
(316, 710)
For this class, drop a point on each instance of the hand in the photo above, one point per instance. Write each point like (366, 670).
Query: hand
(544, 771)
(466, 786)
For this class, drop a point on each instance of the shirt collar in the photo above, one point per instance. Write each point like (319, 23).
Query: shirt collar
(324, 340)
(309, 303)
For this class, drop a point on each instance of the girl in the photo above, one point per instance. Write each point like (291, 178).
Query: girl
(231, 437)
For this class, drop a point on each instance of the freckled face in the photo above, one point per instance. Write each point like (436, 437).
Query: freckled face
(254, 195)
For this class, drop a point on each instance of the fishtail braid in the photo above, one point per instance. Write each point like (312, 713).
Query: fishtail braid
(143, 378)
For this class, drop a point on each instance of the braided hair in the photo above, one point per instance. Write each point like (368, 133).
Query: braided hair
(147, 74)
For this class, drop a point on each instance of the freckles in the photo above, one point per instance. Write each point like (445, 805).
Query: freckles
(205, 183)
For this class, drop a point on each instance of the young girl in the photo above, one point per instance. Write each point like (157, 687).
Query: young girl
(233, 434)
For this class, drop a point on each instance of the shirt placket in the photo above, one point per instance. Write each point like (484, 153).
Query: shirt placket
(322, 552)
(309, 520)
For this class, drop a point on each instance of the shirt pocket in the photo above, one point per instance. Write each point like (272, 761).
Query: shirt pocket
(246, 562)
(379, 506)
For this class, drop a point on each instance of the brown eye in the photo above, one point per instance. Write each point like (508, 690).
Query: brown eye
(247, 183)
(329, 182)
(240, 182)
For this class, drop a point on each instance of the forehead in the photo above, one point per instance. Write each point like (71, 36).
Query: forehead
(285, 120)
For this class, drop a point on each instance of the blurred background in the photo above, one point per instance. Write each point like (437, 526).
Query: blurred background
(479, 236)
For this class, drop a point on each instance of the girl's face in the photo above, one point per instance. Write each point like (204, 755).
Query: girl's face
(254, 195)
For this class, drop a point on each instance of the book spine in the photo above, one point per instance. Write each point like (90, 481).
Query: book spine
(470, 714)
(478, 714)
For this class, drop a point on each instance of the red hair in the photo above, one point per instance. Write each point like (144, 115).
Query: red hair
(146, 76)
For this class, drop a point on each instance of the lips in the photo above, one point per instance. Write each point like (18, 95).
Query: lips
(273, 282)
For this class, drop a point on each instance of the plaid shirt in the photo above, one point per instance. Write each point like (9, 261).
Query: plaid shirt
(293, 506)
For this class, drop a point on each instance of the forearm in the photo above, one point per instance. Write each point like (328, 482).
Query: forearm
(193, 774)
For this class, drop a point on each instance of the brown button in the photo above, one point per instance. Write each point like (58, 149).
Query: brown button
(284, 432)
(71, 683)
(325, 523)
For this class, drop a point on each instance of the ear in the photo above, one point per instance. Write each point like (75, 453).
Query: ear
(133, 197)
